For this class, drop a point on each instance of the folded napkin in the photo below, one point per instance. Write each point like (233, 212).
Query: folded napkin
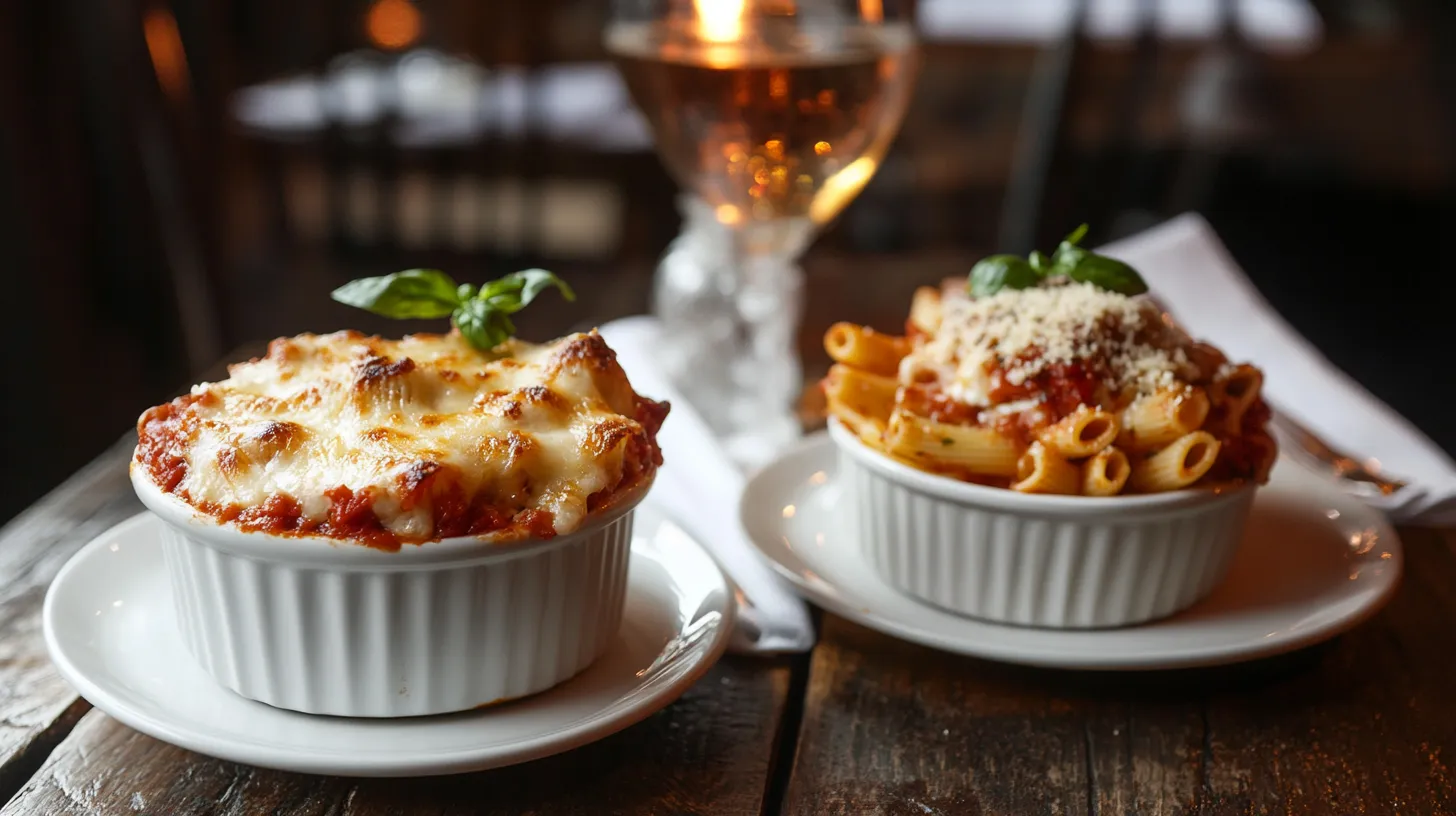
(1193, 276)
(698, 488)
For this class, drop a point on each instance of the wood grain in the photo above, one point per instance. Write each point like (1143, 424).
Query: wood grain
(37, 707)
(709, 753)
(1370, 729)
(1364, 724)
(890, 727)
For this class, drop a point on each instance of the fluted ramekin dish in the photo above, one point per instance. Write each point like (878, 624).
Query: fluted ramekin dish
(1065, 562)
(332, 627)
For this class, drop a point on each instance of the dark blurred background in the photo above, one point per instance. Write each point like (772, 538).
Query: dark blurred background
(182, 179)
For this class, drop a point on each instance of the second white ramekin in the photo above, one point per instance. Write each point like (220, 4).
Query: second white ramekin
(324, 627)
(1054, 561)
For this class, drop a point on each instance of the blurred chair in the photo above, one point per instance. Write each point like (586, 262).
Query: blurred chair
(1224, 106)
(156, 167)
(111, 300)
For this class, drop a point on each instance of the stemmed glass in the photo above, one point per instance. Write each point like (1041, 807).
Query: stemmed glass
(773, 115)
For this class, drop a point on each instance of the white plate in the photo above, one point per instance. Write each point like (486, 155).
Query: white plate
(111, 630)
(1314, 562)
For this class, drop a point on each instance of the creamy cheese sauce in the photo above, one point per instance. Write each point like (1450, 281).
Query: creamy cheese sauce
(426, 427)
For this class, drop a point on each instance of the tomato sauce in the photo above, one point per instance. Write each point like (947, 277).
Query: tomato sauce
(930, 402)
(162, 442)
(165, 433)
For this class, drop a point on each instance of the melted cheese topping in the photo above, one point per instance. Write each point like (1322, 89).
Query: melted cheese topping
(1021, 334)
(437, 437)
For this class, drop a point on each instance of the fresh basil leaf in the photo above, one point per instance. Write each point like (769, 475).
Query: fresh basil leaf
(516, 290)
(1040, 263)
(506, 302)
(1077, 235)
(472, 319)
(1108, 273)
(483, 326)
(1067, 257)
(991, 275)
(413, 293)
(507, 285)
(537, 281)
(482, 314)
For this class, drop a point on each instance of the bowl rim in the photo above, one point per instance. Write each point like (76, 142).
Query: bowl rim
(314, 550)
(1000, 498)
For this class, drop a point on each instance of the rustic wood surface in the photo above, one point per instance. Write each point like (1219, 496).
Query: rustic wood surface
(37, 707)
(866, 724)
(1363, 724)
(712, 752)
(709, 753)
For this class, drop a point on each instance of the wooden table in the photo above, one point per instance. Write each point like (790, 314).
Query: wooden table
(865, 724)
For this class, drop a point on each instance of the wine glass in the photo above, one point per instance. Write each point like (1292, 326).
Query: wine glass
(773, 115)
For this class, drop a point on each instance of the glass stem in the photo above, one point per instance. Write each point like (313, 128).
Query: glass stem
(767, 374)
(729, 302)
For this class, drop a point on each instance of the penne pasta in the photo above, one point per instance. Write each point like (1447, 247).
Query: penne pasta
(865, 349)
(1267, 452)
(1080, 434)
(1178, 465)
(1042, 470)
(1060, 386)
(868, 428)
(1105, 473)
(1207, 360)
(870, 395)
(1233, 393)
(1241, 385)
(925, 309)
(973, 449)
(1167, 415)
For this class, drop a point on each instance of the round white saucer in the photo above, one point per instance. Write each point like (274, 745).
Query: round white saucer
(111, 630)
(1314, 563)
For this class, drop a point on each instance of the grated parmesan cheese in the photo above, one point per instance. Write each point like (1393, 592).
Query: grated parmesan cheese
(1121, 340)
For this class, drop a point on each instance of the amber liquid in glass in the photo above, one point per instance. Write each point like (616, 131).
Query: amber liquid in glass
(763, 131)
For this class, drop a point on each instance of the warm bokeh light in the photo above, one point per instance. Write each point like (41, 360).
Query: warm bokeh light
(778, 84)
(720, 21)
(841, 188)
(392, 24)
(164, 45)
(872, 11)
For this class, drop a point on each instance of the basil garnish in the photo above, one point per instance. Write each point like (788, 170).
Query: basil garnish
(1108, 273)
(991, 275)
(998, 272)
(413, 293)
(482, 314)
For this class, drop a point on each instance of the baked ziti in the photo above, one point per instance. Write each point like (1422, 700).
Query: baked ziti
(385, 442)
(1061, 387)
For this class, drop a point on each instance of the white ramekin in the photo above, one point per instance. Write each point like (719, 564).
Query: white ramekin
(324, 627)
(1063, 562)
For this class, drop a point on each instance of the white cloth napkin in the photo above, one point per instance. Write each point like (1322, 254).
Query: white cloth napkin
(698, 488)
(1193, 276)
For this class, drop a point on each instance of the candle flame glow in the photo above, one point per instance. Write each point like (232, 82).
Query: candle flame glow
(169, 58)
(720, 21)
(392, 24)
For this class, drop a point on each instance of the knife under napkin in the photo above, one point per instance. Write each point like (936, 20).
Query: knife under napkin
(1194, 277)
(697, 488)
